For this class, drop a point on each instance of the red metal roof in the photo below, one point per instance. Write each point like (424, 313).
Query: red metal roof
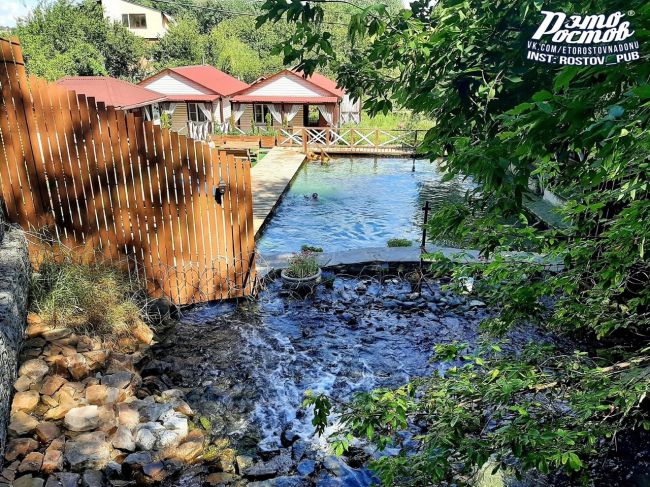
(111, 91)
(211, 78)
(285, 99)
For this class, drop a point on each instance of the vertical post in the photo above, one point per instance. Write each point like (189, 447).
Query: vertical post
(424, 226)
(304, 141)
(376, 137)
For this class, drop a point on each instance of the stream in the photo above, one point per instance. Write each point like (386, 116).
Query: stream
(246, 367)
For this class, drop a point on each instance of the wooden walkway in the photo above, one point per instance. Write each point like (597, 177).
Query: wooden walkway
(270, 178)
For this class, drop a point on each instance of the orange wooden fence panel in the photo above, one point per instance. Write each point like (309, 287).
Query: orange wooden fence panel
(102, 181)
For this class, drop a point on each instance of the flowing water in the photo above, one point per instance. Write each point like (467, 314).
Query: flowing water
(361, 202)
(248, 366)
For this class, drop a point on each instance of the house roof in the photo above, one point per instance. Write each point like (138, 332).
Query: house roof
(192, 98)
(111, 91)
(319, 82)
(208, 77)
(324, 82)
(285, 99)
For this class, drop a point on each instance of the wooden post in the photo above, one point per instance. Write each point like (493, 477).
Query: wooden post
(376, 137)
(304, 141)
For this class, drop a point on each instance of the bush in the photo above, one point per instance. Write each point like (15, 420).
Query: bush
(95, 297)
(302, 265)
(399, 242)
(311, 248)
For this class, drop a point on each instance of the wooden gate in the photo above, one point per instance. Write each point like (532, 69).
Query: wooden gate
(101, 181)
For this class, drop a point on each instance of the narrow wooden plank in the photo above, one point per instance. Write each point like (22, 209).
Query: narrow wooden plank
(170, 141)
(166, 194)
(11, 153)
(249, 236)
(207, 201)
(218, 266)
(227, 175)
(189, 211)
(201, 216)
(143, 196)
(151, 204)
(50, 171)
(101, 200)
(133, 187)
(182, 225)
(160, 211)
(239, 223)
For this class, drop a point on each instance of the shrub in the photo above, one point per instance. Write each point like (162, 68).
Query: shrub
(311, 248)
(95, 297)
(399, 242)
(302, 265)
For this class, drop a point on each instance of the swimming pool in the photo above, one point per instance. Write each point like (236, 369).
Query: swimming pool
(360, 202)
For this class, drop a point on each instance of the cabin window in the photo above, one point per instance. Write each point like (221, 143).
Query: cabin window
(195, 114)
(260, 113)
(134, 21)
(311, 116)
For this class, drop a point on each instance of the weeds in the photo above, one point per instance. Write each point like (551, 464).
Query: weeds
(399, 242)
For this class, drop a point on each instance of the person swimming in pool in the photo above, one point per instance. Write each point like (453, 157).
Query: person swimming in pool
(314, 196)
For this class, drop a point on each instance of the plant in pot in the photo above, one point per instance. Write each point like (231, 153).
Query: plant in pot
(302, 272)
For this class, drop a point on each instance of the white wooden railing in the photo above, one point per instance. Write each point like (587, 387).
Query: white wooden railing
(329, 137)
(199, 130)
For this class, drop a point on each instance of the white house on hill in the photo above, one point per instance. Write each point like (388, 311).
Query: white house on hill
(142, 21)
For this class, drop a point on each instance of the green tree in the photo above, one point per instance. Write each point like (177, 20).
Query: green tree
(183, 44)
(65, 38)
(503, 121)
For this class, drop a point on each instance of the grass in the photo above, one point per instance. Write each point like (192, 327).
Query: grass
(402, 120)
(302, 265)
(95, 298)
(399, 242)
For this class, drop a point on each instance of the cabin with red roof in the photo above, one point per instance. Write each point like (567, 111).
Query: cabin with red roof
(197, 98)
(117, 93)
(289, 99)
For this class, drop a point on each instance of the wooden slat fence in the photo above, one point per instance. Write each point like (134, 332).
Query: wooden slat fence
(101, 181)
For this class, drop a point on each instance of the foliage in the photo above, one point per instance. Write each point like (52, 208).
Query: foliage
(311, 248)
(95, 297)
(399, 242)
(166, 120)
(503, 121)
(302, 265)
(182, 45)
(64, 38)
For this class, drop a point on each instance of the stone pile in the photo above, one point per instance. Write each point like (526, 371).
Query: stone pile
(81, 415)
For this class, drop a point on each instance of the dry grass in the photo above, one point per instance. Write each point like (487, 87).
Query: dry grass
(96, 297)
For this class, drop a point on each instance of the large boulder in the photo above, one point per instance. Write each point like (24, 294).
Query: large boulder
(83, 418)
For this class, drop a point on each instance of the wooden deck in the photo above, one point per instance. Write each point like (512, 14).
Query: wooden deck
(270, 178)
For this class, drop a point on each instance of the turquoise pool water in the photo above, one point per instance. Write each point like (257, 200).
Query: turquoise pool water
(361, 202)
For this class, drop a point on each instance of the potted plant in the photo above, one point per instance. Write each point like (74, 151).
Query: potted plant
(302, 272)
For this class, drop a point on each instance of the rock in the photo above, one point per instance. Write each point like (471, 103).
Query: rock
(83, 418)
(135, 462)
(88, 451)
(96, 359)
(47, 431)
(278, 465)
(28, 481)
(306, 467)
(168, 439)
(92, 478)
(120, 380)
(475, 303)
(153, 412)
(8, 474)
(21, 423)
(66, 402)
(298, 450)
(101, 394)
(177, 424)
(142, 333)
(52, 384)
(65, 479)
(25, 401)
(170, 394)
(288, 438)
(220, 478)
(31, 463)
(281, 482)
(145, 439)
(128, 416)
(23, 383)
(107, 420)
(242, 462)
(122, 439)
(78, 366)
(19, 448)
(191, 448)
(55, 334)
(155, 471)
(182, 407)
(52, 461)
(113, 470)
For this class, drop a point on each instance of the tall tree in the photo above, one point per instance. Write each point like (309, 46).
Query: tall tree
(183, 44)
(67, 38)
(504, 121)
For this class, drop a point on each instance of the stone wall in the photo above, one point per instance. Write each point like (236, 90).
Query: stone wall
(14, 285)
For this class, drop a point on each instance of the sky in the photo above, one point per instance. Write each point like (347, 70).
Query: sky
(12, 9)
